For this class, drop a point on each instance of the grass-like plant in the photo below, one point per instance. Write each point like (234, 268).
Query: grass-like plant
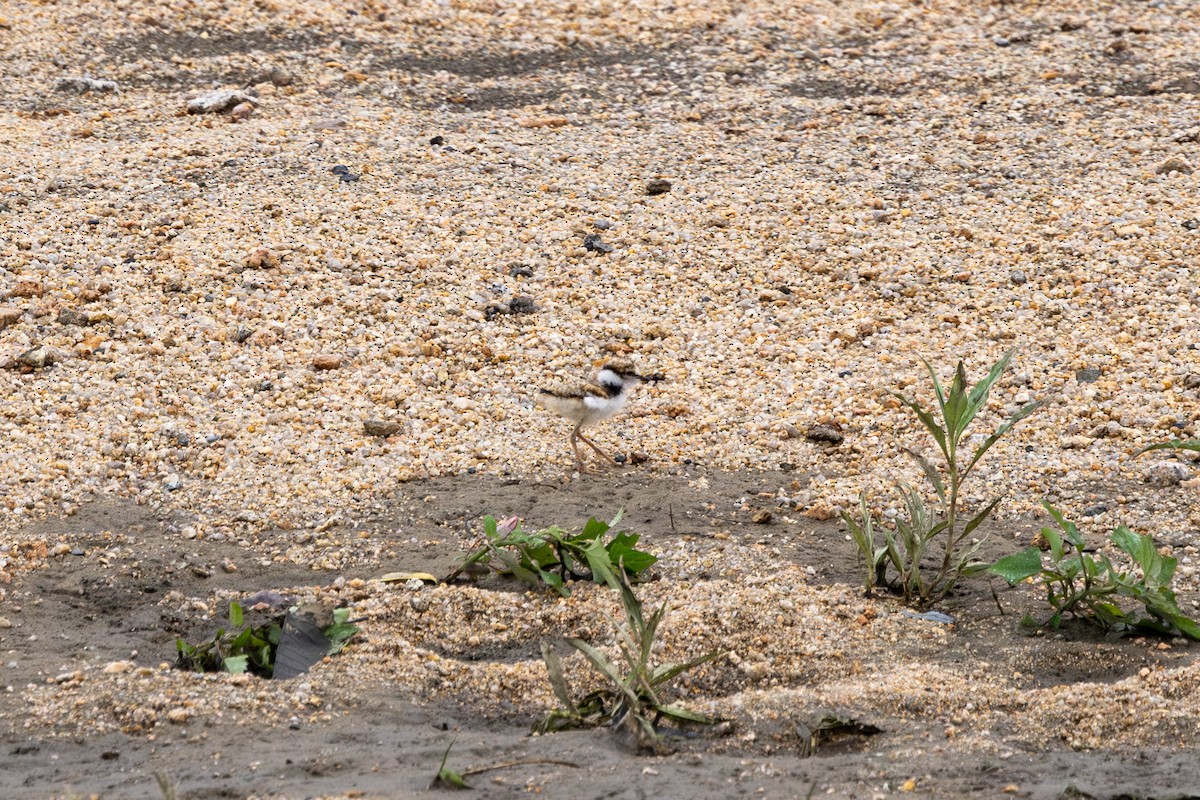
(904, 549)
(634, 695)
(1087, 586)
(552, 557)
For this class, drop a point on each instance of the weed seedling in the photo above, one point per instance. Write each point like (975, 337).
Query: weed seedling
(1087, 586)
(904, 548)
(634, 698)
(553, 557)
(283, 647)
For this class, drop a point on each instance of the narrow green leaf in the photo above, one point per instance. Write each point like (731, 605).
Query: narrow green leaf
(957, 411)
(1003, 429)
(666, 672)
(931, 473)
(1019, 566)
(1174, 444)
(558, 681)
(236, 616)
(978, 519)
(684, 715)
(930, 423)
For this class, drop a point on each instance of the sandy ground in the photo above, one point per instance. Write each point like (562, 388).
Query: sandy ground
(228, 368)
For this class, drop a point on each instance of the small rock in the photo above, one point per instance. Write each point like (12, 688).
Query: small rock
(9, 315)
(5, 622)
(602, 224)
(820, 512)
(242, 111)
(172, 483)
(381, 427)
(228, 566)
(178, 715)
(1174, 164)
(1088, 375)
(1000, 41)
(658, 186)
(326, 361)
(824, 433)
(69, 316)
(40, 357)
(1017, 277)
(118, 667)
(1167, 473)
(1190, 381)
(67, 677)
(1077, 442)
(85, 85)
(762, 516)
(437, 141)
(638, 457)
(262, 258)
(594, 243)
(217, 101)
(1096, 510)
(522, 304)
(27, 288)
(520, 271)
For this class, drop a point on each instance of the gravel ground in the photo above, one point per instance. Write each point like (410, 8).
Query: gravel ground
(790, 205)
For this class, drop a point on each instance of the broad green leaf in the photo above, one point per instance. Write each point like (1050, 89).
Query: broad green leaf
(236, 617)
(600, 564)
(1157, 569)
(489, 527)
(236, 664)
(593, 529)
(1056, 543)
(621, 550)
(1019, 566)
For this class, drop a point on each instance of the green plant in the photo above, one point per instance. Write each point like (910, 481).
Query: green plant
(904, 548)
(1174, 444)
(257, 648)
(552, 556)
(1087, 586)
(635, 696)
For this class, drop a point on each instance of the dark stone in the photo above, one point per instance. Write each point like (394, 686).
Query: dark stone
(594, 243)
(658, 186)
(437, 141)
(340, 169)
(824, 433)
(1088, 375)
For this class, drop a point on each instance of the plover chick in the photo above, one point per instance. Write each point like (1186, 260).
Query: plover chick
(593, 401)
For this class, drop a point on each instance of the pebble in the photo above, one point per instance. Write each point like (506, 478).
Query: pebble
(594, 243)
(326, 361)
(217, 101)
(84, 85)
(381, 427)
(1167, 473)
(658, 186)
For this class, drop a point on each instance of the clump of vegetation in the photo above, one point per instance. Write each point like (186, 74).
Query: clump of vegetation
(1087, 586)
(282, 647)
(552, 557)
(447, 778)
(920, 532)
(634, 700)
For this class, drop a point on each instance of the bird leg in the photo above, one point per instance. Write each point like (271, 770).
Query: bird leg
(577, 434)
